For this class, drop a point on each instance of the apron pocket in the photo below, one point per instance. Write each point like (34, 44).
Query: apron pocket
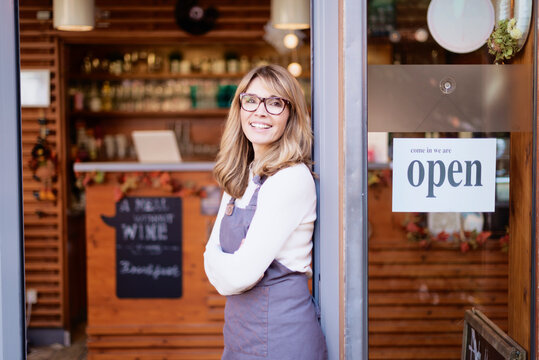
(246, 322)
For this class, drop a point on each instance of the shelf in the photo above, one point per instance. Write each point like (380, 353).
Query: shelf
(136, 166)
(379, 166)
(159, 76)
(156, 76)
(194, 113)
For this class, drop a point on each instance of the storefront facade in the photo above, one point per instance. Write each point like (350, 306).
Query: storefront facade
(378, 299)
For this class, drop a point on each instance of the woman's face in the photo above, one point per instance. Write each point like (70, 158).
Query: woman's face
(259, 126)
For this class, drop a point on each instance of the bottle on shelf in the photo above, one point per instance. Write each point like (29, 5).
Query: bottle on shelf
(106, 97)
(94, 100)
(175, 58)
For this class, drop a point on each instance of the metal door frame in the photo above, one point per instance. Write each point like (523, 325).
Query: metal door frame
(340, 128)
(12, 315)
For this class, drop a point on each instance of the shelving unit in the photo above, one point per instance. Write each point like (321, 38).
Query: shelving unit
(161, 76)
(117, 89)
(192, 113)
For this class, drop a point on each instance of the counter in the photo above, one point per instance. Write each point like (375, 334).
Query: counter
(148, 296)
(136, 167)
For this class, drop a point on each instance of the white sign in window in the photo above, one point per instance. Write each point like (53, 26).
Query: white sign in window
(449, 175)
(35, 88)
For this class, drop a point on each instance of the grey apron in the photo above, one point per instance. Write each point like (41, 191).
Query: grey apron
(276, 319)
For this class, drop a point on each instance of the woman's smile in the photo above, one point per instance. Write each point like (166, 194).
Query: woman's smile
(260, 125)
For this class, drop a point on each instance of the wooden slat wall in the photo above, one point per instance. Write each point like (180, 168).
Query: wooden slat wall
(417, 298)
(137, 21)
(43, 220)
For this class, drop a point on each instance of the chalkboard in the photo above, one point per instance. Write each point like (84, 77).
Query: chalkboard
(482, 339)
(148, 247)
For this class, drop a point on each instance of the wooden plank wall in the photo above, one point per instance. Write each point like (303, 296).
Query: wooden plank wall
(417, 298)
(44, 228)
(143, 22)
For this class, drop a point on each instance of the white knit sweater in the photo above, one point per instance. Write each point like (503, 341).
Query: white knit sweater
(281, 229)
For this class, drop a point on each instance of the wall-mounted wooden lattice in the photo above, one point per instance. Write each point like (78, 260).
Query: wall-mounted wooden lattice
(138, 21)
(43, 220)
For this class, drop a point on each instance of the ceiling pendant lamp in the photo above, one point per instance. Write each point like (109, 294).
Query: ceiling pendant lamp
(291, 41)
(73, 15)
(290, 14)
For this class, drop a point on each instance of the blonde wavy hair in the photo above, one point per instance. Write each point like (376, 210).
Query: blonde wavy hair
(293, 147)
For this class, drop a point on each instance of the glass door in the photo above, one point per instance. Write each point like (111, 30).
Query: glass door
(450, 186)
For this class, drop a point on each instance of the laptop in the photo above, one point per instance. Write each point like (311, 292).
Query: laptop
(156, 146)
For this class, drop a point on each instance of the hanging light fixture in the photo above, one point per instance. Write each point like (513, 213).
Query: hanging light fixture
(290, 14)
(73, 15)
(291, 41)
(295, 69)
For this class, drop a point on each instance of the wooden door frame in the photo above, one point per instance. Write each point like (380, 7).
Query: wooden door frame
(523, 250)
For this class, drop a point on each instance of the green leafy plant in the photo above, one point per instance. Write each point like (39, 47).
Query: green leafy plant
(503, 42)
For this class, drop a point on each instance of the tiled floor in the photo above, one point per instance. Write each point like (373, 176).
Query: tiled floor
(77, 351)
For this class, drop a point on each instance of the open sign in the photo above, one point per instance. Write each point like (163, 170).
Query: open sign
(433, 175)
(438, 169)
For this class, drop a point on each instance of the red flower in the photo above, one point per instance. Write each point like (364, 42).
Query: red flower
(482, 237)
(146, 181)
(412, 227)
(370, 155)
(443, 236)
(504, 239)
(464, 247)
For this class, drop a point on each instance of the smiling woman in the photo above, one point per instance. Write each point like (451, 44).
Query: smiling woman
(285, 139)
(259, 252)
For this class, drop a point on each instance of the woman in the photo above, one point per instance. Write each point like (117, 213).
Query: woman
(259, 252)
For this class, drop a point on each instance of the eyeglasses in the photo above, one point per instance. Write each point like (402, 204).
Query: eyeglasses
(274, 105)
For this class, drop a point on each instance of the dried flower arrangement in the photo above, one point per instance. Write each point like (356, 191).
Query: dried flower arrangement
(503, 42)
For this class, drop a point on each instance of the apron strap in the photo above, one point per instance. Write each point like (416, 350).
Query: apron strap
(254, 199)
(258, 180)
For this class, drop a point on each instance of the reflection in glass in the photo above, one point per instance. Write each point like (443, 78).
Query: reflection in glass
(480, 98)
(427, 269)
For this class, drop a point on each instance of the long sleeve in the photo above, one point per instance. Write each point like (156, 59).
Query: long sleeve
(285, 212)
(214, 236)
